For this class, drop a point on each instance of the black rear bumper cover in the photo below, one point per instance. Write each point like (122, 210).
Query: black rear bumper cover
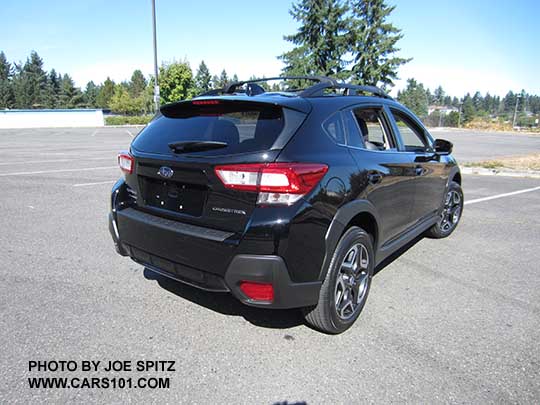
(258, 268)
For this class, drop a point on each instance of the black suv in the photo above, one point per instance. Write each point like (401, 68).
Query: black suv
(287, 199)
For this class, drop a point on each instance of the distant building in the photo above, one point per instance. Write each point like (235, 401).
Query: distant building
(76, 117)
(442, 109)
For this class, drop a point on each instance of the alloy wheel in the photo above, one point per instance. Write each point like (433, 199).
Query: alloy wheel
(352, 281)
(451, 212)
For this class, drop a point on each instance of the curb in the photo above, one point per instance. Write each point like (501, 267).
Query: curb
(482, 171)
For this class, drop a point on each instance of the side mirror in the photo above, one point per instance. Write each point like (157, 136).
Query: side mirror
(442, 147)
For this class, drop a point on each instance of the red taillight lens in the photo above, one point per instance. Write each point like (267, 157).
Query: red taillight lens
(258, 291)
(277, 183)
(126, 162)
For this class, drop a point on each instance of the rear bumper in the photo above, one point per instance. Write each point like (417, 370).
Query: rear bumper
(155, 239)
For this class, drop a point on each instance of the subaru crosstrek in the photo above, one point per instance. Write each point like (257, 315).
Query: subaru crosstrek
(286, 199)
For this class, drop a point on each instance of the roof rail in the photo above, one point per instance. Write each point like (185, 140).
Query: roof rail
(230, 88)
(317, 90)
(349, 90)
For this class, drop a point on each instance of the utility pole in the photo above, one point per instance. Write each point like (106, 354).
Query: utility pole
(156, 84)
(515, 111)
(459, 115)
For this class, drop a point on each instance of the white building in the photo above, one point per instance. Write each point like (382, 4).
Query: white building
(77, 117)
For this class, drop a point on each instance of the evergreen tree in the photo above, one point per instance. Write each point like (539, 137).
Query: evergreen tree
(215, 82)
(91, 93)
(468, 108)
(6, 86)
(137, 84)
(478, 102)
(234, 78)
(30, 83)
(70, 96)
(321, 40)
(203, 79)
(438, 95)
(52, 92)
(509, 103)
(223, 78)
(374, 42)
(414, 96)
(105, 94)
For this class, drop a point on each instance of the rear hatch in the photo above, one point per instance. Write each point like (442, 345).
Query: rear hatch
(176, 153)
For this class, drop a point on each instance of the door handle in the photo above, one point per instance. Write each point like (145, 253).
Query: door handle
(374, 177)
(419, 170)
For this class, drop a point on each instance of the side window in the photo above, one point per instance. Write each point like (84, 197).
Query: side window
(334, 128)
(412, 136)
(372, 129)
(354, 138)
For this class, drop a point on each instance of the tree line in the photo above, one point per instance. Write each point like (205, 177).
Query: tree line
(351, 40)
(453, 111)
(27, 85)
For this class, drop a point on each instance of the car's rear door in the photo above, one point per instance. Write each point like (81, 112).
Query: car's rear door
(171, 184)
(430, 173)
(391, 185)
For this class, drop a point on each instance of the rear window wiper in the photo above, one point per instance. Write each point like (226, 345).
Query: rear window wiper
(196, 146)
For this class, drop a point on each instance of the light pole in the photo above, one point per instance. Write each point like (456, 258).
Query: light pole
(515, 111)
(459, 114)
(156, 84)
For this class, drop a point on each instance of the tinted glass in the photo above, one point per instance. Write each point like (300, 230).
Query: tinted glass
(371, 126)
(411, 136)
(245, 127)
(334, 128)
(354, 138)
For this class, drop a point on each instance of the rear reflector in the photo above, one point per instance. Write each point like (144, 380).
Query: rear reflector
(277, 183)
(257, 291)
(126, 162)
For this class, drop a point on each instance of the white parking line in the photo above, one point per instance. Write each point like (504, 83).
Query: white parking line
(493, 197)
(94, 184)
(129, 133)
(57, 171)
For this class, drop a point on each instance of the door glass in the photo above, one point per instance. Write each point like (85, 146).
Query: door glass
(374, 137)
(412, 137)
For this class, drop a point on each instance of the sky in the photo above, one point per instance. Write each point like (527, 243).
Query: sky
(462, 45)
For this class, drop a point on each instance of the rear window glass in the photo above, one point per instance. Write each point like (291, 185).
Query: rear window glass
(244, 127)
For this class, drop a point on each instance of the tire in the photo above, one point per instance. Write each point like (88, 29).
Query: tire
(450, 215)
(347, 283)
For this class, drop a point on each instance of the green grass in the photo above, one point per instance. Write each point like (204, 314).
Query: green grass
(128, 120)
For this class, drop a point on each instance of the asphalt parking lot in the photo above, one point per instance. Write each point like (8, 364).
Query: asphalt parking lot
(450, 321)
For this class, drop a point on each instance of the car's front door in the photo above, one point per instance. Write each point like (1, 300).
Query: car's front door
(431, 174)
(390, 178)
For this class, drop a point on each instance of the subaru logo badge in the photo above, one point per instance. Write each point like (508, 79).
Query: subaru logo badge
(166, 172)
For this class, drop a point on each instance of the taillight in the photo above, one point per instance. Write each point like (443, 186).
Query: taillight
(126, 162)
(276, 183)
(258, 291)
